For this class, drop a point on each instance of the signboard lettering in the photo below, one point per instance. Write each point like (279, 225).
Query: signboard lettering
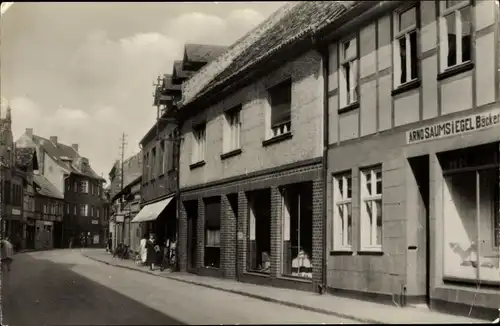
(454, 127)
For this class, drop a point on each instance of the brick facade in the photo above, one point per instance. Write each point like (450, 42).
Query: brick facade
(183, 238)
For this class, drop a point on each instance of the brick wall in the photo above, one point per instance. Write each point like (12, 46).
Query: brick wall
(183, 238)
(276, 230)
(200, 248)
(228, 237)
(242, 224)
(318, 248)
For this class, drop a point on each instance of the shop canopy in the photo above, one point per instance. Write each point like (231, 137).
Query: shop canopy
(152, 211)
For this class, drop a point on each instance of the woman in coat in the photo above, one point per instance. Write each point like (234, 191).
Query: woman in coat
(151, 256)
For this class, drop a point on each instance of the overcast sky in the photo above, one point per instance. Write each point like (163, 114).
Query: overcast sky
(84, 71)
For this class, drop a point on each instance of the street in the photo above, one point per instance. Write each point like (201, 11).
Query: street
(62, 287)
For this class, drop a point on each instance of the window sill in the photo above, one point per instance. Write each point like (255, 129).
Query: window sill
(229, 154)
(373, 251)
(341, 251)
(277, 139)
(406, 87)
(456, 70)
(196, 165)
(350, 107)
(295, 278)
(257, 273)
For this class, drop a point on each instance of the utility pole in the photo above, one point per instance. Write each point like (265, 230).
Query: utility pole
(122, 154)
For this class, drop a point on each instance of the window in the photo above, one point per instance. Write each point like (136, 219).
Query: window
(147, 167)
(297, 232)
(280, 101)
(259, 231)
(98, 189)
(84, 210)
(162, 157)
(348, 82)
(75, 186)
(45, 209)
(74, 209)
(405, 46)
(371, 209)
(212, 232)
(471, 221)
(7, 192)
(153, 163)
(455, 29)
(342, 212)
(199, 143)
(91, 210)
(98, 212)
(232, 130)
(84, 186)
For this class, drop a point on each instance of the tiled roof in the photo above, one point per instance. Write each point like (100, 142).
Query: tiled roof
(203, 52)
(178, 72)
(59, 151)
(46, 187)
(24, 156)
(300, 22)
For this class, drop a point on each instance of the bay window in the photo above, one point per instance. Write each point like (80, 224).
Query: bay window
(371, 209)
(348, 76)
(455, 33)
(342, 212)
(471, 221)
(405, 46)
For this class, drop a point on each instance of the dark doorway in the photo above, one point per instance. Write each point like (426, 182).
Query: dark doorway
(259, 231)
(191, 208)
(420, 169)
(58, 230)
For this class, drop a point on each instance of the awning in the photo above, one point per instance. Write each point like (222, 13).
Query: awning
(152, 211)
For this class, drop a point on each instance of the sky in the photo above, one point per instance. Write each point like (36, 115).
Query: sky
(84, 71)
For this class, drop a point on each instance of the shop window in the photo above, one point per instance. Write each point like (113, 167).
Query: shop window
(232, 129)
(456, 30)
(212, 232)
(259, 231)
(405, 46)
(348, 76)
(199, 143)
(371, 209)
(280, 100)
(342, 212)
(297, 230)
(471, 223)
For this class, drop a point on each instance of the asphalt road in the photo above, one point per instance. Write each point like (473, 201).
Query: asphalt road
(64, 288)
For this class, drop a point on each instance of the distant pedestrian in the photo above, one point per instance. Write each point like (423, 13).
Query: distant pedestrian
(151, 256)
(143, 253)
(7, 250)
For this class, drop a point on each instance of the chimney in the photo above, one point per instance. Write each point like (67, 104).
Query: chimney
(53, 139)
(29, 132)
(75, 147)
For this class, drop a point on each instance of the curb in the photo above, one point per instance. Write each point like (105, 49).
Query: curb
(250, 295)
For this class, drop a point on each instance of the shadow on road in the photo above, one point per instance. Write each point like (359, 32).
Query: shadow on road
(41, 292)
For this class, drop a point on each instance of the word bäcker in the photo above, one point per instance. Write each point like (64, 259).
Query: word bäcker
(454, 127)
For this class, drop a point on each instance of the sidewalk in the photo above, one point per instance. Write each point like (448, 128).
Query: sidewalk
(362, 311)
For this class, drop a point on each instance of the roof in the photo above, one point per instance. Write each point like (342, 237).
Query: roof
(26, 157)
(179, 72)
(202, 52)
(64, 155)
(132, 172)
(302, 21)
(168, 85)
(46, 187)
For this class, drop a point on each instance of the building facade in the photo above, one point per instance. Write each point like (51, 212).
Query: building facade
(413, 155)
(72, 175)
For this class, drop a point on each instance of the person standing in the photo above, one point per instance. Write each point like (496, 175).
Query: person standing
(6, 252)
(150, 252)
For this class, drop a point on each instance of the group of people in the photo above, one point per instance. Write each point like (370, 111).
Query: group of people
(154, 252)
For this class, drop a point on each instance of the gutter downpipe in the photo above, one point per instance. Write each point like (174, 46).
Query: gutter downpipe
(325, 59)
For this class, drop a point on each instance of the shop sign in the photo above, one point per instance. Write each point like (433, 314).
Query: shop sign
(454, 127)
(16, 211)
(95, 222)
(120, 218)
(47, 223)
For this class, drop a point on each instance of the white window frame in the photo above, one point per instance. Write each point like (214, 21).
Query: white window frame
(340, 234)
(370, 232)
(199, 143)
(404, 33)
(84, 210)
(353, 62)
(232, 130)
(84, 186)
(443, 12)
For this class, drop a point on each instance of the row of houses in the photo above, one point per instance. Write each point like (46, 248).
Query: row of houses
(51, 197)
(349, 146)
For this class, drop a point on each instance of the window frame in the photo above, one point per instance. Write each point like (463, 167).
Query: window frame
(343, 200)
(199, 143)
(405, 33)
(364, 198)
(443, 46)
(284, 127)
(85, 208)
(232, 129)
(163, 165)
(153, 159)
(84, 186)
(342, 82)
